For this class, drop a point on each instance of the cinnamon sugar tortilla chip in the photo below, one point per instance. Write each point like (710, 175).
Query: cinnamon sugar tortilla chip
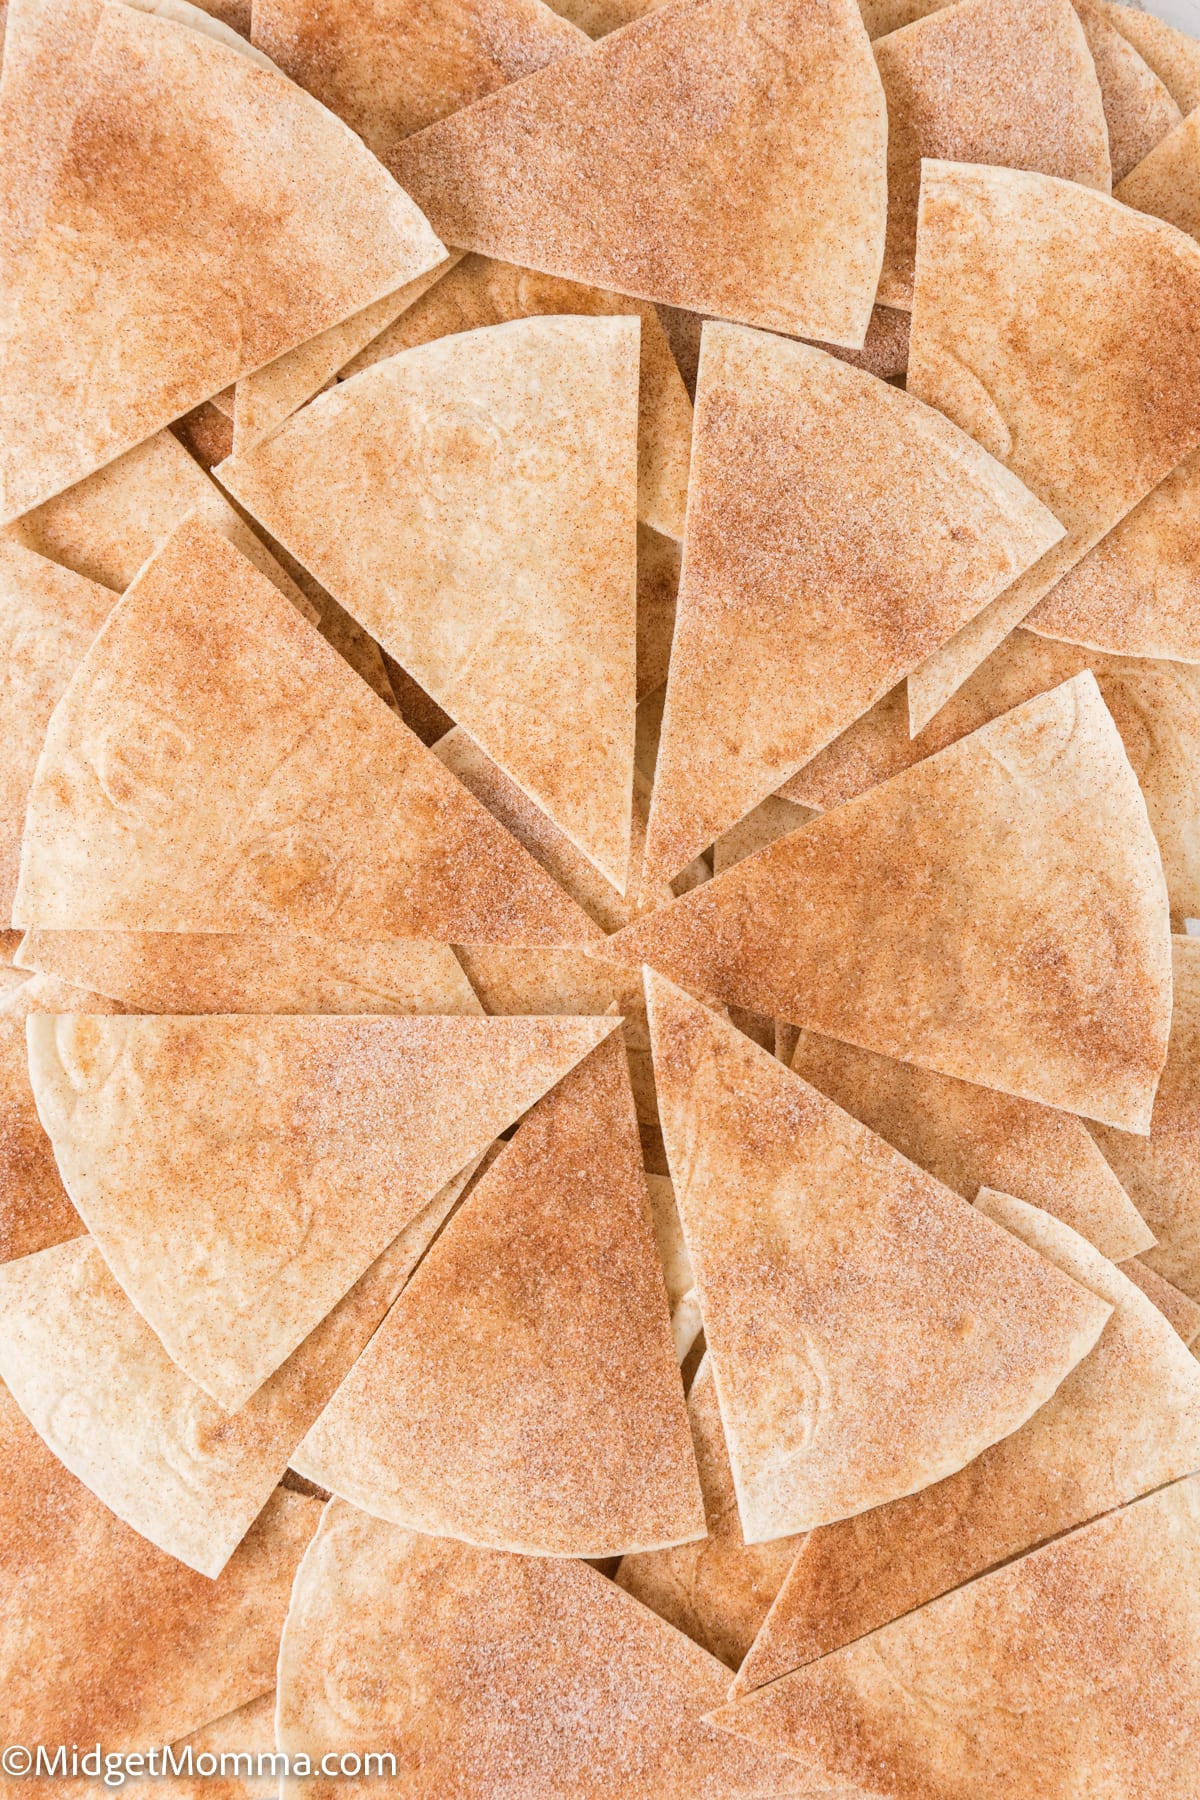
(240, 1173)
(997, 913)
(472, 503)
(772, 818)
(1166, 183)
(985, 81)
(301, 229)
(795, 616)
(1057, 328)
(1071, 1671)
(214, 766)
(1181, 1313)
(1126, 1420)
(1137, 106)
(869, 1332)
(1172, 55)
(721, 155)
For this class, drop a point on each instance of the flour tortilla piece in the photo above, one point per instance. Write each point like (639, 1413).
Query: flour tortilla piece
(986, 81)
(1182, 1314)
(1127, 1420)
(971, 1137)
(481, 1672)
(1138, 108)
(214, 766)
(472, 503)
(793, 619)
(1166, 183)
(1057, 328)
(1072, 1670)
(277, 1157)
(481, 291)
(870, 1333)
(78, 1660)
(727, 156)
(719, 1590)
(997, 913)
(544, 1415)
(772, 818)
(1172, 55)
(282, 246)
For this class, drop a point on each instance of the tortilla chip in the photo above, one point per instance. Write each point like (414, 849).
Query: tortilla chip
(1137, 107)
(295, 801)
(870, 1333)
(971, 1137)
(336, 626)
(1172, 55)
(884, 16)
(986, 81)
(483, 1672)
(997, 913)
(1182, 1314)
(792, 621)
(1058, 328)
(282, 246)
(105, 1637)
(1166, 183)
(1125, 1421)
(709, 156)
(1068, 1672)
(772, 818)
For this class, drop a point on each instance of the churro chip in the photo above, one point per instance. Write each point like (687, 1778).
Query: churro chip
(1138, 108)
(1166, 183)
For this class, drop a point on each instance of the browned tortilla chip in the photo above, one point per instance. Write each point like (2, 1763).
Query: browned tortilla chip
(870, 1333)
(997, 913)
(240, 1173)
(1137, 106)
(214, 766)
(302, 229)
(1182, 1314)
(1172, 55)
(727, 156)
(1125, 1421)
(1073, 1671)
(837, 532)
(1058, 328)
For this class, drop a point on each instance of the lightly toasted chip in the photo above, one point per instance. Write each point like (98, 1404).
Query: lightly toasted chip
(870, 1333)
(1138, 109)
(727, 156)
(1182, 1314)
(471, 502)
(1072, 1671)
(215, 766)
(240, 1173)
(837, 531)
(302, 229)
(996, 913)
(1125, 1421)
(1057, 327)
(1166, 183)
(483, 1673)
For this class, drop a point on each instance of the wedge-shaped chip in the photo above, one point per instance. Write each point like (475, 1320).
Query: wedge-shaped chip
(239, 1174)
(1138, 109)
(1073, 1671)
(1173, 55)
(487, 1675)
(972, 1137)
(105, 1637)
(837, 532)
(772, 818)
(1182, 1314)
(870, 1333)
(997, 913)
(727, 156)
(1056, 327)
(215, 766)
(472, 503)
(191, 171)
(523, 1393)
(1125, 1421)
(1166, 183)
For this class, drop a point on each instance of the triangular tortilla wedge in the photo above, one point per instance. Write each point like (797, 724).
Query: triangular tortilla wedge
(772, 818)
(1182, 1314)
(997, 913)
(985, 81)
(1173, 55)
(294, 799)
(79, 1659)
(795, 615)
(91, 1376)
(1072, 1671)
(1125, 1421)
(471, 502)
(971, 1137)
(711, 155)
(1166, 183)
(1162, 1172)
(523, 1393)
(302, 229)
(1138, 109)
(483, 292)
(719, 1590)
(240, 1173)
(1057, 327)
(870, 1333)
(482, 1673)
